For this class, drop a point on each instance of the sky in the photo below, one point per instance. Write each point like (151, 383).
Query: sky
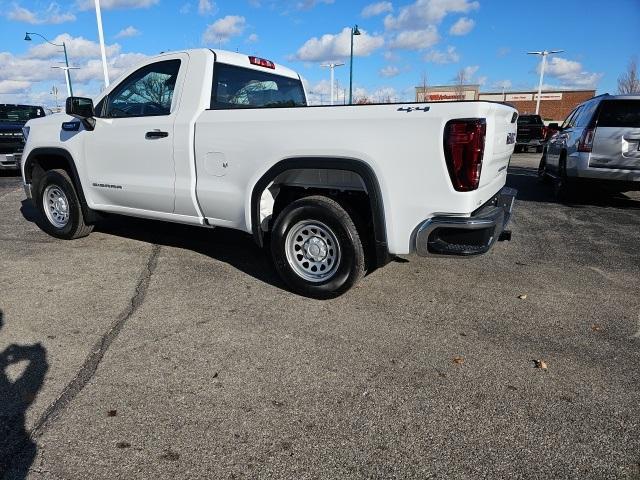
(403, 42)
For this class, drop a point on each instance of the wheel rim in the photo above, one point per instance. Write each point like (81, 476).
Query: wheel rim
(56, 206)
(313, 251)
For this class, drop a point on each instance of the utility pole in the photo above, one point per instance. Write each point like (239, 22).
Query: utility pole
(544, 54)
(332, 67)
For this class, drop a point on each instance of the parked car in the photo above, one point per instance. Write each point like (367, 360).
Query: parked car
(220, 139)
(598, 142)
(12, 119)
(532, 133)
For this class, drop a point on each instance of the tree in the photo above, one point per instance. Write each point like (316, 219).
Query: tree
(628, 82)
(424, 86)
(460, 81)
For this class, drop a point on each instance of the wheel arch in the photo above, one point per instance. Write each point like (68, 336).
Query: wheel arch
(353, 165)
(48, 158)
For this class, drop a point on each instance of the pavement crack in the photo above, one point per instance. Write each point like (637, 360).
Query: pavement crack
(91, 363)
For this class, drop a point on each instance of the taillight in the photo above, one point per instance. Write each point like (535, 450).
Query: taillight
(586, 141)
(463, 151)
(261, 62)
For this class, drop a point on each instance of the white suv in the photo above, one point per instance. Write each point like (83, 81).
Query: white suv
(599, 141)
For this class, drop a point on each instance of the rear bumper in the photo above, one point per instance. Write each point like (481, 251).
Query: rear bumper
(466, 236)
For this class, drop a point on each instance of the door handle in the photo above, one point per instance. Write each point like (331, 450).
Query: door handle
(155, 134)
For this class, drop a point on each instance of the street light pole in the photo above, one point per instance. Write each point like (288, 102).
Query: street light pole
(354, 31)
(102, 49)
(544, 54)
(66, 68)
(332, 67)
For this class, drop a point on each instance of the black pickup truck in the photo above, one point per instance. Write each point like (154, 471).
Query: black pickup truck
(12, 119)
(531, 133)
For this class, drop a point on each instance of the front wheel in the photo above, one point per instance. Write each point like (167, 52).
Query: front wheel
(316, 248)
(57, 200)
(543, 177)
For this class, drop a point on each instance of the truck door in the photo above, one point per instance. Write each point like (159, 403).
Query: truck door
(616, 143)
(129, 155)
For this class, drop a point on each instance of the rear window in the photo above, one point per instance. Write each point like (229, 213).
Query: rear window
(237, 87)
(530, 120)
(620, 113)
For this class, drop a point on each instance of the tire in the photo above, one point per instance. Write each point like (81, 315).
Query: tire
(543, 177)
(58, 203)
(517, 149)
(562, 188)
(539, 149)
(316, 248)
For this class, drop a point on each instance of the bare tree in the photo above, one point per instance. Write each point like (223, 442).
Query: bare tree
(629, 82)
(460, 80)
(424, 86)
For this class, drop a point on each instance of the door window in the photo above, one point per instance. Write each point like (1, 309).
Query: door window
(147, 92)
(571, 119)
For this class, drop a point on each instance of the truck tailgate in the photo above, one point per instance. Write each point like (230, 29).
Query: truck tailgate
(501, 132)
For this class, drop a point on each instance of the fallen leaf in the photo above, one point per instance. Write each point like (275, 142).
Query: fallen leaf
(541, 364)
(112, 413)
(458, 360)
(596, 328)
(123, 445)
(522, 297)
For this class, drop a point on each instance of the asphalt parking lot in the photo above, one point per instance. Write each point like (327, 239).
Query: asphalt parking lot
(149, 350)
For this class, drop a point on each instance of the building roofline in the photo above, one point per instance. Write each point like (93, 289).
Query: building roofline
(511, 92)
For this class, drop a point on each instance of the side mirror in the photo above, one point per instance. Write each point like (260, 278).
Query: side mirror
(554, 126)
(82, 109)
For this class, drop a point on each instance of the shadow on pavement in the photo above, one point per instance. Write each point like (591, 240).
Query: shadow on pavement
(229, 246)
(525, 180)
(17, 449)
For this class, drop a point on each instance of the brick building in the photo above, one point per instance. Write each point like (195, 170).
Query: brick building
(554, 106)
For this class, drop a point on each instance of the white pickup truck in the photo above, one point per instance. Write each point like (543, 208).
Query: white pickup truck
(219, 139)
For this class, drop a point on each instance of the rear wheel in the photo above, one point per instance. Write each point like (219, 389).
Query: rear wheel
(57, 200)
(316, 248)
(543, 176)
(562, 188)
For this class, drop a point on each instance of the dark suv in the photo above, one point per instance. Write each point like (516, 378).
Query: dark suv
(531, 133)
(12, 119)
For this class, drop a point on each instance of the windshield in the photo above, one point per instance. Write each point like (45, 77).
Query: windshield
(19, 113)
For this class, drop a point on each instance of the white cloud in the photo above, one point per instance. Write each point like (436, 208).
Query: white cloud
(112, 4)
(336, 47)
(51, 15)
(503, 84)
(570, 73)
(309, 4)
(130, 31)
(463, 26)
(77, 47)
(416, 39)
(206, 7)
(390, 71)
(422, 13)
(14, 86)
(253, 38)
(375, 9)
(470, 71)
(222, 30)
(450, 55)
